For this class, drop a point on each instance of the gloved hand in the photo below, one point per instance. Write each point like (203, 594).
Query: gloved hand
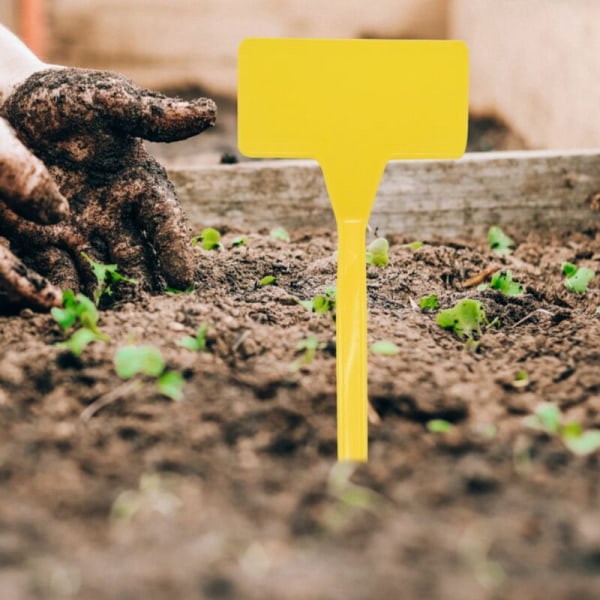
(87, 128)
(27, 190)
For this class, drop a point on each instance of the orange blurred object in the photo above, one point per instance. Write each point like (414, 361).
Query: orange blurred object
(33, 26)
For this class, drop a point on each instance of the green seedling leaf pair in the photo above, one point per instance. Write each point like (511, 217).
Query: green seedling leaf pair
(198, 343)
(503, 282)
(464, 319)
(308, 347)
(209, 238)
(80, 312)
(322, 303)
(499, 242)
(378, 252)
(549, 419)
(107, 276)
(130, 361)
(577, 278)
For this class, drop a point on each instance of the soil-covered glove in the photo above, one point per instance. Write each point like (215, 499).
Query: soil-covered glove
(28, 190)
(87, 127)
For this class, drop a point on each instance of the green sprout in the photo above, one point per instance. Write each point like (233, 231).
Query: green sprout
(267, 280)
(521, 379)
(464, 319)
(130, 361)
(385, 348)
(577, 278)
(80, 312)
(308, 346)
(499, 242)
(322, 303)
(377, 252)
(549, 419)
(210, 238)
(503, 282)
(413, 245)
(439, 426)
(279, 233)
(240, 240)
(430, 302)
(107, 276)
(195, 344)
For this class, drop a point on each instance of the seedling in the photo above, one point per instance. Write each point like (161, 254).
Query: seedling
(210, 238)
(413, 245)
(195, 344)
(577, 278)
(549, 419)
(267, 280)
(106, 276)
(439, 426)
(521, 379)
(499, 242)
(80, 312)
(430, 302)
(322, 303)
(385, 347)
(240, 240)
(308, 346)
(503, 282)
(464, 319)
(279, 233)
(130, 361)
(377, 252)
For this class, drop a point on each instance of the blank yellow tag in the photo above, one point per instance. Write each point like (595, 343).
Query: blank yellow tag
(352, 105)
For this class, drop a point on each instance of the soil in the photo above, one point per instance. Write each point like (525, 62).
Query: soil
(111, 491)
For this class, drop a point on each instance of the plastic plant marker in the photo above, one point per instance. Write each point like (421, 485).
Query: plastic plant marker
(352, 105)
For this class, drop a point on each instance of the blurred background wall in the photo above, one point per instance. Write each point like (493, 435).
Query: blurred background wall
(535, 64)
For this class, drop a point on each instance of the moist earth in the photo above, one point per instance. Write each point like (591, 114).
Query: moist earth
(109, 490)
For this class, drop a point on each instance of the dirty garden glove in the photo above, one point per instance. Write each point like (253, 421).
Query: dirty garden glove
(87, 127)
(26, 189)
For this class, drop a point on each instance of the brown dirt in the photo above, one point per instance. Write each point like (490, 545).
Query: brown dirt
(230, 493)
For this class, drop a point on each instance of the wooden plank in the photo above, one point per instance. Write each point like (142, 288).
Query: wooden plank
(522, 190)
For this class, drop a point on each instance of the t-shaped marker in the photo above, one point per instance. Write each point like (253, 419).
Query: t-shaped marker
(352, 105)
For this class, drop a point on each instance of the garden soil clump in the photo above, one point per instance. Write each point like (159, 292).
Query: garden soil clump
(109, 490)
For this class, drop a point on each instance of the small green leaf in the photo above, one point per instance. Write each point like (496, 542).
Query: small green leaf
(499, 242)
(240, 240)
(279, 233)
(195, 344)
(439, 426)
(210, 238)
(377, 253)
(503, 282)
(569, 269)
(571, 430)
(307, 304)
(464, 319)
(172, 290)
(587, 443)
(106, 276)
(385, 348)
(267, 280)
(413, 245)
(546, 418)
(79, 341)
(170, 384)
(429, 302)
(131, 360)
(577, 279)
